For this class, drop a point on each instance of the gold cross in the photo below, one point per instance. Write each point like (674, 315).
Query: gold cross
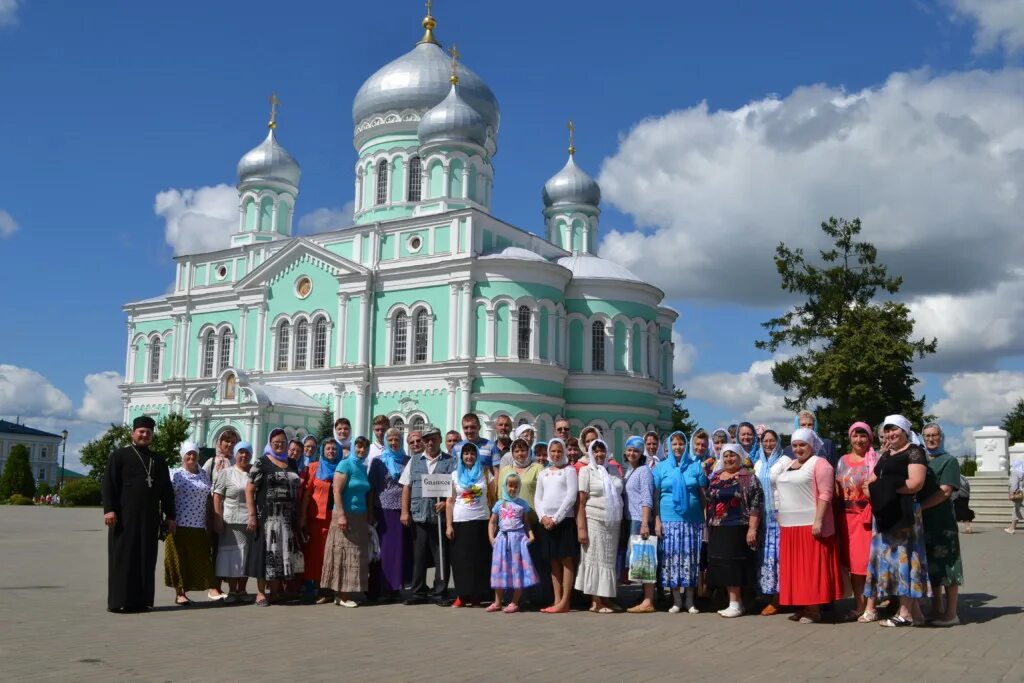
(454, 52)
(429, 6)
(273, 111)
(572, 135)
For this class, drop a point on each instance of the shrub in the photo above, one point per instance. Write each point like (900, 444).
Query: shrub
(18, 499)
(17, 476)
(968, 467)
(43, 489)
(81, 492)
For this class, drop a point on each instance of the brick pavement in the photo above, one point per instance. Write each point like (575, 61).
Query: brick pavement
(52, 598)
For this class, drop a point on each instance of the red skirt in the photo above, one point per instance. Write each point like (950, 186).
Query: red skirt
(808, 568)
(855, 539)
(318, 522)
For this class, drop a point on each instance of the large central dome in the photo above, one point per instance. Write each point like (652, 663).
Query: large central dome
(418, 80)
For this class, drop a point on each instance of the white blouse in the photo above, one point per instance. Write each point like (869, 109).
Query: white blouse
(555, 496)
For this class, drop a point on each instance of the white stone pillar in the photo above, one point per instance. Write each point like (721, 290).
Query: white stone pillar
(468, 320)
(274, 227)
(359, 191)
(340, 341)
(186, 331)
(364, 327)
(359, 424)
(446, 173)
(535, 334)
(451, 418)
(252, 430)
(552, 335)
(129, 353)
(643, 352)
(492, 335)
(627, 361)
(261, 337)
(243, 328)
(339, 390)
(465, 182)
(991, 447)
(609, 347)
(454, 321)
(465, 386)
(563, 328)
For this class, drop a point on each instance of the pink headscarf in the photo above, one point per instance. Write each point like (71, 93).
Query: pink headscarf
(871, 457)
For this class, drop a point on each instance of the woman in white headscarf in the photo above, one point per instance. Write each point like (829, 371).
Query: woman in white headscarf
(187, 563)
(598, 520)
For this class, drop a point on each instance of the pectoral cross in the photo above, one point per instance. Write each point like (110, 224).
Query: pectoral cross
(149, 481)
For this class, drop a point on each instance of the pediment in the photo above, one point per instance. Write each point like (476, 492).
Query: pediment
(301, 251)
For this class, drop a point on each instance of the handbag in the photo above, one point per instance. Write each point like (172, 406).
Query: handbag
(642, 558)
(1017, 496)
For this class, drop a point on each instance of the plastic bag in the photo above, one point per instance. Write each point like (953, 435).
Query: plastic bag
(642, 558)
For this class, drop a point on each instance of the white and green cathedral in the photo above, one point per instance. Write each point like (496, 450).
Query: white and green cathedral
(427, 308)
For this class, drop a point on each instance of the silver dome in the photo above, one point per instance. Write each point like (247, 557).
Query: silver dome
(571, 185)
(590, 267)
(452, 121)
(269, 161)
(419, 80)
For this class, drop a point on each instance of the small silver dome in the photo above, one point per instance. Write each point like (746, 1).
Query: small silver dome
(571, 185)
(418, 80)
(590, 267)
(452, 121)
(269, 161)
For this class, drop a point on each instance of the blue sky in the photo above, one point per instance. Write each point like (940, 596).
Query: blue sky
(107, 104)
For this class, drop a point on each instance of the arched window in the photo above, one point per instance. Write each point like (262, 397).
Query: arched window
(154, 359)
(225, 351)
(415, 190)
(301, 344)
(320, 342)
(524, 332)
(283, 338)
(420, 336)
(417, 423)
(597, 346)
(209, 344)
(398, 423)
(382, 182)
(399, 329)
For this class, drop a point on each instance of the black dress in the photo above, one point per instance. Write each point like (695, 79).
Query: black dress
(132, 542)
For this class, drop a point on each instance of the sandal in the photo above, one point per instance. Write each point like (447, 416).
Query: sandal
(322, 600)
(262, 602)
(606, 610)
(493, 607)
(183, 603)
(809, 620)
(896, 622)
(867, 617)
(511, 608)
(769, 610)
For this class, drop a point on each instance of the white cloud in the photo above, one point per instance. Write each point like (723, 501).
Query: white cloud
(750, 395)
(685, 355)
(1000, 23)
(9, 12)
(326, 219)
(934, 165)
(26, 393)
(8, 226)
(979, 398)
(198, 220)
(102, 401)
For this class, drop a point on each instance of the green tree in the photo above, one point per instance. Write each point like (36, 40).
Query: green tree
(171, 431)
(852, 355)
(43, 489)
(325, 427)
(681, 420)
(1013, 422)
(17, 477)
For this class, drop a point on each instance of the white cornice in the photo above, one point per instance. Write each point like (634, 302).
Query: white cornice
(611, 408)
(601, 289)
(598, 381)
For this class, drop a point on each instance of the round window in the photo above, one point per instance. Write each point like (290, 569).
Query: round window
(415, 243)
(303, 287)
(222, 272)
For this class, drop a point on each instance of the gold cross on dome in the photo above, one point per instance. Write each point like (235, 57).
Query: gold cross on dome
(572, 136)
(454, 52)
(430, 5)
(273, 111)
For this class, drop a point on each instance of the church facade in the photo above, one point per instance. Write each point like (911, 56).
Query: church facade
(427, 308)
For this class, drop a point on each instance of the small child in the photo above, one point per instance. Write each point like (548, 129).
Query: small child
(540, 453)
(510, 535)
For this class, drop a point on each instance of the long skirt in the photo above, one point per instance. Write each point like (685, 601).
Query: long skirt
(389, 573)
(232, 550)
(346, 556)
(898, 565)
(768, 572)
(317, 527)
(942, 546)
(275, 554)
(471, 555)
(730, 560)
(511, 566)
(679, 554)
(855, 540)
(187, 565)
(809, 567)
(597, 559)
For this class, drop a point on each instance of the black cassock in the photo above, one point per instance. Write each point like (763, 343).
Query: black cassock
(132, 542)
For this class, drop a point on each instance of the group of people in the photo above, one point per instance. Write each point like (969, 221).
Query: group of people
(516, 519)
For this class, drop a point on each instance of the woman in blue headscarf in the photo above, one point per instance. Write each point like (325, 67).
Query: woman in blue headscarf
(468, 514)
(638, 508)
(679, 481)
(768, 576)
(315, 512)
(388, 576)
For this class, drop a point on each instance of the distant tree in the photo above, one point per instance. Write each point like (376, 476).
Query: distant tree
(43, 489)
(1013, 422)
(171, 432)
(681, 421)
(325, 427)
(853, 355)
(17, 477)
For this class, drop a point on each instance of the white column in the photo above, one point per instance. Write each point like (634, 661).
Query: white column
(339, 390)
(454, 321)
(359, 191)
(252, 429)
(627, 361)
(359, 424)
(364, 327)
(465, 386)
(563, 352)
(451, 419)
(492, 335)
(185, 332)
(609, 348)
(274, 227)
(468, 320)
(129, 352)
(410, 340)
(586, 239)
(535, 334)
(567, 235)
(339, 343)
(642, 370)
(588, 346)
(465, 182)
(175, 351)
(445, 174)
(552, 335)
(243, 325)
(261, 337)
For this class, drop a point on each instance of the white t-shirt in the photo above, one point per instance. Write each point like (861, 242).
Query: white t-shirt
(406, 478)
(376, 450)
(470, 504)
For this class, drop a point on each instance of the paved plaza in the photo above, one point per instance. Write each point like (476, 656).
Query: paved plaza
(55, 627)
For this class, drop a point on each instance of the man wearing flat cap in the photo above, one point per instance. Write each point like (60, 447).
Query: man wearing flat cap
(137, 496)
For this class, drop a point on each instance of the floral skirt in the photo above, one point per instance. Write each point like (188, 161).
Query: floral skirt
(942, 546)
(679, 554)
(768, 572)
(187, 563)
(898, 565)
(511, 566)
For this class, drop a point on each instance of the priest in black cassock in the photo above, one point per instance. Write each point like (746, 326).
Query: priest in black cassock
(137, 495)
